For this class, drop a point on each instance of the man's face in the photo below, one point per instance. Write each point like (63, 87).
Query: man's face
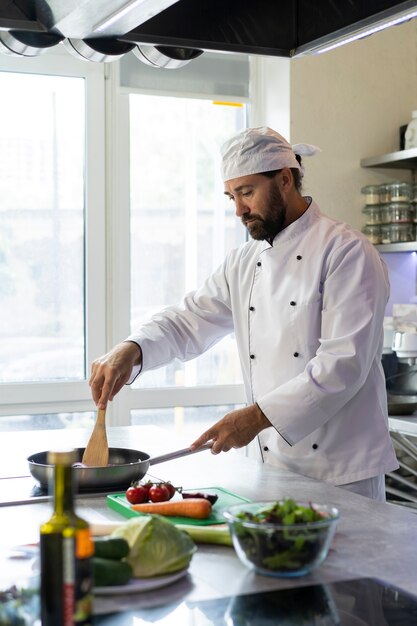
(259, 204)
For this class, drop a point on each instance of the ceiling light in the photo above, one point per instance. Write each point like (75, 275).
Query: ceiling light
(347, 35)
(367, 32)
(119, 14)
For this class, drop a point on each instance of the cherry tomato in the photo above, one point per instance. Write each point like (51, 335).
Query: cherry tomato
(171, 489)
(159, 493)
(147, 486)
(137, 494)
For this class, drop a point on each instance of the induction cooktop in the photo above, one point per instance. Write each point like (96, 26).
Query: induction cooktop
(25, 490)
(358, 602)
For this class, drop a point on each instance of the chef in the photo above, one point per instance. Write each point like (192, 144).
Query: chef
(305, 298)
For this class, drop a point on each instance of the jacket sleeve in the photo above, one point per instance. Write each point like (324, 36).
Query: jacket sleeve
(187, 330)
(355, 294)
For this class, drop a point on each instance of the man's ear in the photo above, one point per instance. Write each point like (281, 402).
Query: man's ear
(285, 180)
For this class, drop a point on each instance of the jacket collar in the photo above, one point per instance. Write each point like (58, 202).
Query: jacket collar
(303, 223)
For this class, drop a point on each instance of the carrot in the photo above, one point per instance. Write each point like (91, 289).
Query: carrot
(198, 508)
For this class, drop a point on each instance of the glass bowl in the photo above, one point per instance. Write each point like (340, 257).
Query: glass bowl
(281, 549)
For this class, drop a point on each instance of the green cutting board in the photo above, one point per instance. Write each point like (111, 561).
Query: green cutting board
(118, 502)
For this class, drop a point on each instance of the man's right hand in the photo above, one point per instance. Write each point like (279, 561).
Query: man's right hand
(109, 373)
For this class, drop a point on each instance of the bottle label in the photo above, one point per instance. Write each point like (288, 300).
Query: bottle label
(84, 546)
(66, 580)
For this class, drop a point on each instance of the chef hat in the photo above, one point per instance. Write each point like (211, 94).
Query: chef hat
(257, 150)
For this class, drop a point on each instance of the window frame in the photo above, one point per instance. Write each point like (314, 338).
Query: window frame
(107, 253)
(118, 303)
(61, 396)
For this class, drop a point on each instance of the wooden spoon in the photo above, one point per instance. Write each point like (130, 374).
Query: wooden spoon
(97, 450)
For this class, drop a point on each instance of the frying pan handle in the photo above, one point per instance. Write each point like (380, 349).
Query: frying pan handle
(179, 453)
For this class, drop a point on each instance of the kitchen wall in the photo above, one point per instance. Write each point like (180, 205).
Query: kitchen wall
(351, 102)
(270, 93)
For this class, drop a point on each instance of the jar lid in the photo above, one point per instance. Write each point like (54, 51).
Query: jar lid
(370, 208)
(399, 185)
(370, 189)
(371, 228)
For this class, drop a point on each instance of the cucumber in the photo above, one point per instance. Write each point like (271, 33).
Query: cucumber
(109, 572)
(111, 548)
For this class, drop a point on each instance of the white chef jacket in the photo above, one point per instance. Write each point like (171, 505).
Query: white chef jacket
(307, 313)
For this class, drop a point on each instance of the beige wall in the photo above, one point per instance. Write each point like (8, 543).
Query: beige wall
(351, 102)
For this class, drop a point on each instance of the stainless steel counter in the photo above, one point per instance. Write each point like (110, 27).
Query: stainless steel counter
(406, 424)
(373, 539)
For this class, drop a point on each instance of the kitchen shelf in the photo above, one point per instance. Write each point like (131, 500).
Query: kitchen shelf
(409, 246)
(403, 159)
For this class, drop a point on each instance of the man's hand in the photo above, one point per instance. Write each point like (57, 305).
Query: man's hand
(235, 430)
(110, 372)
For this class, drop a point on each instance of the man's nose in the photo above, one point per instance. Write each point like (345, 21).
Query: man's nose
(241, 207)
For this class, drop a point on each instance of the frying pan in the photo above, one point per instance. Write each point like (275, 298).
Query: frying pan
(125, 466)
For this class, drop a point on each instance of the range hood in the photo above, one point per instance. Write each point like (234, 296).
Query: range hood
(260, 27)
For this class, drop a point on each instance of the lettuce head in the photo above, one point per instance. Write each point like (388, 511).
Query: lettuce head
(156, 546)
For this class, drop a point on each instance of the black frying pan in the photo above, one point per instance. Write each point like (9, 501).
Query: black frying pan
(125, 465)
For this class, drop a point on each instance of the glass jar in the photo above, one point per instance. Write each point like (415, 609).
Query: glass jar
(399, 192)
(414, 193)
(400, 212)
(400, 233)
(373, 233)
(384, 195)
(371, 194)
(372, 214)
(385, 214)
(386, 233)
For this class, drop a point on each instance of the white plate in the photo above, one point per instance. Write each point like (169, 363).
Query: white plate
(136, 585)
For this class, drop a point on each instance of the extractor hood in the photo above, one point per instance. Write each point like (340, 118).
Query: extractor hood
(260, 27)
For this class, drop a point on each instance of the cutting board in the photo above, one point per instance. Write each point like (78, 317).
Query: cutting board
(118, 502)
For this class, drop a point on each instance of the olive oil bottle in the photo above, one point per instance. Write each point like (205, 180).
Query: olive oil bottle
(66, 550)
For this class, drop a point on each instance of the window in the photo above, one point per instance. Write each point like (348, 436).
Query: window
(181, 223)
(52, 239)
(42, 227)
(111, 206)
(193, 420)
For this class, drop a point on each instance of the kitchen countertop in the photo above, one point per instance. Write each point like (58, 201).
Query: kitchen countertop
(405, 424)
(372, 539)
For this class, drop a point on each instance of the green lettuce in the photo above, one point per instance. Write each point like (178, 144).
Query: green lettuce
(157, 547)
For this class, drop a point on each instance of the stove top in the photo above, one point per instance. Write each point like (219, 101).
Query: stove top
(25, 490)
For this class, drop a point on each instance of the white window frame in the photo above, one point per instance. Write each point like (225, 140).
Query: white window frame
(118, 303)
(55, 397)
(107, 231)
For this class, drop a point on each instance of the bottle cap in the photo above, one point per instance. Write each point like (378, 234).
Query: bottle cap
(63, 457)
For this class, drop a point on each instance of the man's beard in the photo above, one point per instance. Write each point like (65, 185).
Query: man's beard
(275, 213)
